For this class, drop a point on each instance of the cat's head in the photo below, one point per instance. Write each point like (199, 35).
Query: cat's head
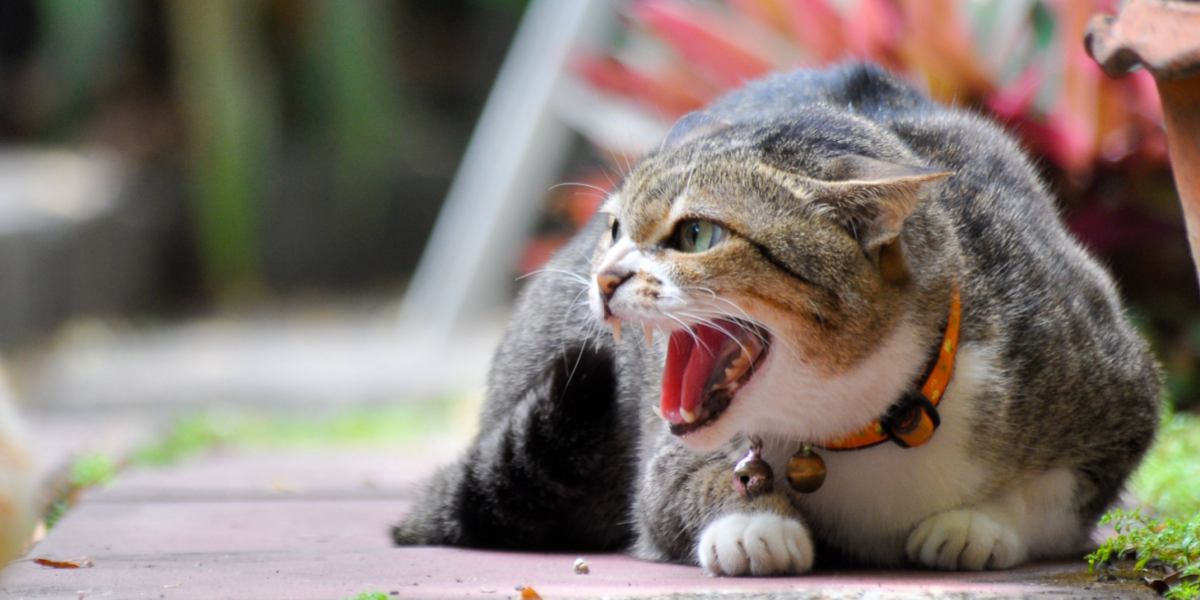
(770, 255)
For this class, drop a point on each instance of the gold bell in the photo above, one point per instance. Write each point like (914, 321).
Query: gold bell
(806, 470)
(752, 476)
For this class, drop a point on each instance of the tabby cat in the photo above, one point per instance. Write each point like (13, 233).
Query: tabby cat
(793, 269)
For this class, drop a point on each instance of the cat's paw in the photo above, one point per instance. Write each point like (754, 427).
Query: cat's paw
(755, 544)
(965, 539)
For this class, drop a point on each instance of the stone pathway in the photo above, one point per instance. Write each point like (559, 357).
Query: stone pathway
(305, 524)
(241, 522)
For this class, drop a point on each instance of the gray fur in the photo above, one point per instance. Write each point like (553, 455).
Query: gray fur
(570, 453)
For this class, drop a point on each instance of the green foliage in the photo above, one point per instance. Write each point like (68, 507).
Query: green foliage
(1168, 481)
(190, 435)
(360, 426)
(86, 472)
(369, 596)
(92, 470)
(229, 107)
(1174, 542)
(55, 512)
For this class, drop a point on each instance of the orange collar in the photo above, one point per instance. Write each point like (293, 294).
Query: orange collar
(912, 420)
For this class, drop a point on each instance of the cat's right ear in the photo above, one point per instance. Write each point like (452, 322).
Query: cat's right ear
(873, 197)
(692, 126)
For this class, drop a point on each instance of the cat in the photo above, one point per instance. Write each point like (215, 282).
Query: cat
(787, 268)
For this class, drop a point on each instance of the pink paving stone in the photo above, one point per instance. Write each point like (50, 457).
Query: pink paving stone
(337, 548)
(313, 524)
(271, 474)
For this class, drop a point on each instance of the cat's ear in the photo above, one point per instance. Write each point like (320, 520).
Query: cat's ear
(873, 197)
(692, 126)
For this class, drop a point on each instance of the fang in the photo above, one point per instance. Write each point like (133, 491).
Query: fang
(688, 416)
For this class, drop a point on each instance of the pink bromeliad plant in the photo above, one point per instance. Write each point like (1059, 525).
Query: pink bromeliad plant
(1098, 141)
(1023, 60)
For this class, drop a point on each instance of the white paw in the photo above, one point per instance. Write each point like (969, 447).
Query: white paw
(755, 544)
(965, 540)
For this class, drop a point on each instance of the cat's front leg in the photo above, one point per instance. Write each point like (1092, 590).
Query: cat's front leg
(755, 543)
(690, 512)
(1036, 518)
(969, 539)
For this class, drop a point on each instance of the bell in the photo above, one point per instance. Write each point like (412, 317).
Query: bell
(806, 470)
(752, 476)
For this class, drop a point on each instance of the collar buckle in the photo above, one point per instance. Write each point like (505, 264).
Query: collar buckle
(911, 421)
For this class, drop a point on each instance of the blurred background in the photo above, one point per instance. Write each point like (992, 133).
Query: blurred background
(238, 201)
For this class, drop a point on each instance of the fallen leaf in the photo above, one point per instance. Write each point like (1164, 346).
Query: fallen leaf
(528, 593)
(53, 563)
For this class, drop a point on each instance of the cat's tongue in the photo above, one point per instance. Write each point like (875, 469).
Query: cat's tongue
(691, 356)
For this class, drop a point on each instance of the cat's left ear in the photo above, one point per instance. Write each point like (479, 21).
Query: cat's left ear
(692, 126)
(873, 197)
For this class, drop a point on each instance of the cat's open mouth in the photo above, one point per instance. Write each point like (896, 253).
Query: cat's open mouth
(706, 366)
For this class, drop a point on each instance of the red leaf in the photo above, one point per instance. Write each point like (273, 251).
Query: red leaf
(710, 44)
(661, 93)
(817, 27)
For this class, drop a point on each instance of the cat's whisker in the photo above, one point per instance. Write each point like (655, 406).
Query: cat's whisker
(578, 184)
(714, 324)
(725, 315)
(743, 315)
(574, 303)
(686, 328)
(549, 271)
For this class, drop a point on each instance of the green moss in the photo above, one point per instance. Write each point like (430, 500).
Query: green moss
(92, 470)
(352, 427)
(1168, 482)
(397, 424)
(86, 472)
(55, 512)
(369, 596)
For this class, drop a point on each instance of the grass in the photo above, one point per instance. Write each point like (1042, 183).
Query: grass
(353, 427)
(1166, 547)
(191, 435)
(86, 472)
(369, 596)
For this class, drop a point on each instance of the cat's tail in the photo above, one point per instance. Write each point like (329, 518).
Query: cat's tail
(551, 471)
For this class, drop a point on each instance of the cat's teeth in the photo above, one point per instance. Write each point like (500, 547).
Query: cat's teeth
(658, 411)
(737, 367)
(688, 416)
(616, 327)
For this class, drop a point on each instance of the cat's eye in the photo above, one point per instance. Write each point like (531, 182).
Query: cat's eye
(616, 228)
(694, 235)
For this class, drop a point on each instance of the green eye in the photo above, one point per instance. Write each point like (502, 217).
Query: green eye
(697, 236)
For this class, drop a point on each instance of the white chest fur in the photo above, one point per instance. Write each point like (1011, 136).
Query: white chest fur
(873, 498)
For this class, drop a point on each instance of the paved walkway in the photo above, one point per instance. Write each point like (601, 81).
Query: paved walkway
(313, 524)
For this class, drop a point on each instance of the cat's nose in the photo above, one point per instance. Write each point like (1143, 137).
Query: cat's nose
(609, 281)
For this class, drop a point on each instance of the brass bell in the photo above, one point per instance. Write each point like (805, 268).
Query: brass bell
(752, 476)
(806, 470)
